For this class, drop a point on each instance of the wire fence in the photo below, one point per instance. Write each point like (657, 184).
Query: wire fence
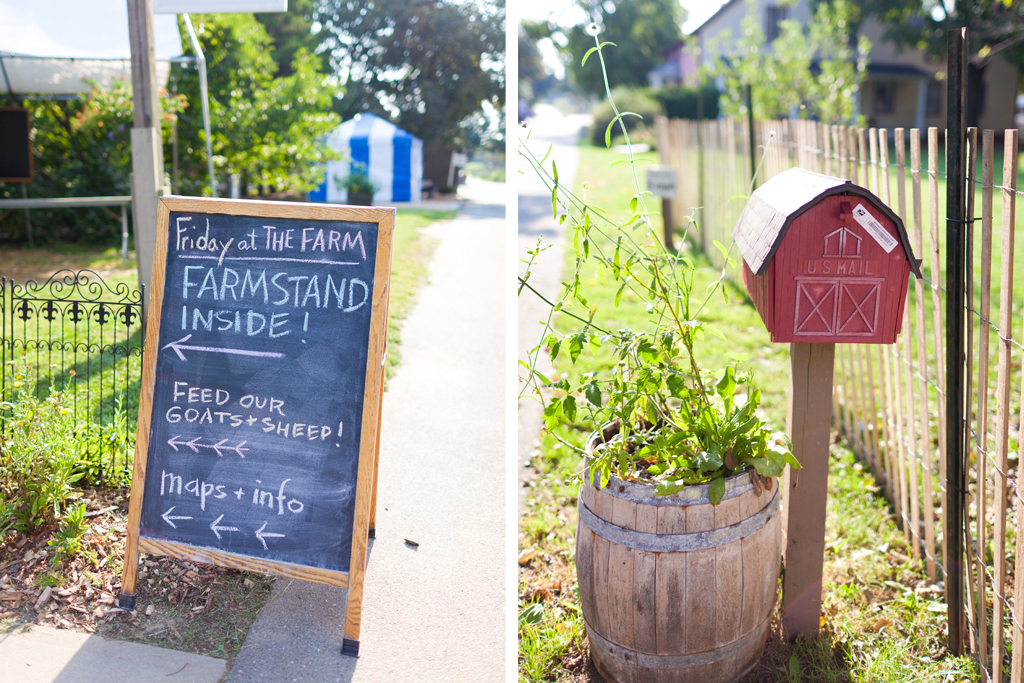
(889, 401)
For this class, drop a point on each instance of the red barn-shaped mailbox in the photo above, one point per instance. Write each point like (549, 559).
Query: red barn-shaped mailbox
(824, 260)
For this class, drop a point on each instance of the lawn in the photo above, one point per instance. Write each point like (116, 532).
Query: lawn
(882, 618)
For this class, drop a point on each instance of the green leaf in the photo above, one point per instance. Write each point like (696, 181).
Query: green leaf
(608, 132)
(726, 386)
(618, 294)
(554, 349)
(552, 414)
(569, 408)
(632, 204)
(532, 614)
(709, 460)
(554, 170)
(587, 56)
(716, 491)
(593, 394)
(576, 346)
(794, 669)
(668, 488)
(721, 248)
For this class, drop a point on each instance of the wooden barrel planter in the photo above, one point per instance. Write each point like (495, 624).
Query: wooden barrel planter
(674, 589)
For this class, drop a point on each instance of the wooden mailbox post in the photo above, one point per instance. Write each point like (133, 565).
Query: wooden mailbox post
(825, 262)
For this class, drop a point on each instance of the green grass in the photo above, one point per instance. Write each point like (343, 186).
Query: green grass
(873, 630)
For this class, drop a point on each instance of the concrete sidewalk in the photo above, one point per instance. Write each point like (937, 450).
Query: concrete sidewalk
(40, 654)
(432, 612)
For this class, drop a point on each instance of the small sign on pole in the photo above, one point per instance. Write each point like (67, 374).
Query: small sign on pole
(661, 182)
(259, 414)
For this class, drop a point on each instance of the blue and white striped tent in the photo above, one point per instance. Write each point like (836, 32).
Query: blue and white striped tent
(394, 159)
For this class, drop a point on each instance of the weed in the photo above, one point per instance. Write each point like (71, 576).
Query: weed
(67, 540)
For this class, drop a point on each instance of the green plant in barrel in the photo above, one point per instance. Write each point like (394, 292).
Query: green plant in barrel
(668, 416)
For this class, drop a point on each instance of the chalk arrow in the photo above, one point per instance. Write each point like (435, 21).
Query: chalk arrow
(260, 535)
(220, 444)
(179, 346)
(217, 529)
(194, 444)
(167, 517)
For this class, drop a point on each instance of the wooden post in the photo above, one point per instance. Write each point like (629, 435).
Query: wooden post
(956, 247)
(147, 147)
(666, 216)
(805, 490)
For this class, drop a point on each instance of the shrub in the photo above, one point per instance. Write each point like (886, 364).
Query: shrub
(683, 102)
(636, 100)
(45, 450)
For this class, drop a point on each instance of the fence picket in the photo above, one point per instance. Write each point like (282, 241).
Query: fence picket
(987, 150)
(922, 360)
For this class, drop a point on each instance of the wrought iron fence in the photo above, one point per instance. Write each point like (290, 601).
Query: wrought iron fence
(78, 335)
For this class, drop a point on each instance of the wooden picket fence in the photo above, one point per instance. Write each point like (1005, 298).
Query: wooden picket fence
(889, 401)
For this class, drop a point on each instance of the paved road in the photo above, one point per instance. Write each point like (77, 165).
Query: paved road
(434, 612)
(549, 128)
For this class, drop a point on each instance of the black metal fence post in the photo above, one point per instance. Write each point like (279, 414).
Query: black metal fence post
(956, 232)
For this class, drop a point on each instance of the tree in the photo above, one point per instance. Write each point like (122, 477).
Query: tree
(814, 72)
(641, 30)
(425, 64)
(290, 31)
(996, 28)
(268, 129)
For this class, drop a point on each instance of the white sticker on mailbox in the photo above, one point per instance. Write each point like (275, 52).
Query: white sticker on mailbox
(874, 228)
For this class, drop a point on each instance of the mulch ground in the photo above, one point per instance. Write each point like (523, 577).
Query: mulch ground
(82, 594)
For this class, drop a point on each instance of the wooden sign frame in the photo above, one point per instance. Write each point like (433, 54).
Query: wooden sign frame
(366, 483)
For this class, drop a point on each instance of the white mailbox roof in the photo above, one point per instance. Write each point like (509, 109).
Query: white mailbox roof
(773, 207)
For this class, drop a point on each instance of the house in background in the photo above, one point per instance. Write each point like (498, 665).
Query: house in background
(902, 89)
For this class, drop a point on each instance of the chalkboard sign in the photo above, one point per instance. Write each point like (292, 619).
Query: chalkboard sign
(15, 145)
(259, 417)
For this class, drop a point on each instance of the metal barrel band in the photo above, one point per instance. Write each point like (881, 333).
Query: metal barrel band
(669, 662)
(666, 543)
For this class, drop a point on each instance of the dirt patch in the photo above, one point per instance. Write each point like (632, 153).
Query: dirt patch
(179, 605)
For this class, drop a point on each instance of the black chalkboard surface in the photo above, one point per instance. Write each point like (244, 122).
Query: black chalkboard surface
(263, 368)
(15, 145)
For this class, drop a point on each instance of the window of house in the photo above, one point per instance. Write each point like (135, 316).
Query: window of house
(775, 15)
(933, 99)
(885, 96)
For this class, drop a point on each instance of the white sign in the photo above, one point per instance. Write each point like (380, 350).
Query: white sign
(874, 228)
(459, 160)
(217, 6)
(662, 182)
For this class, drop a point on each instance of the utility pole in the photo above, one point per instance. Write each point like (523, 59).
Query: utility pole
(147, 147)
